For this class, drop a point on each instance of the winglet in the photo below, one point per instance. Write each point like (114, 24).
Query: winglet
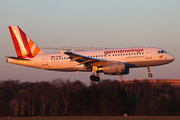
(62, 51)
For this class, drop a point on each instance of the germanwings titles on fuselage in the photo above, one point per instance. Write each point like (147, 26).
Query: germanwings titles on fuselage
(123, 51)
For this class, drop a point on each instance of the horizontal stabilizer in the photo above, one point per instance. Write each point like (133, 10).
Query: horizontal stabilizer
(22, 59)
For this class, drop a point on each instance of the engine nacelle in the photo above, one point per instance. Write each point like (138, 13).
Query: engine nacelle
(115, 69)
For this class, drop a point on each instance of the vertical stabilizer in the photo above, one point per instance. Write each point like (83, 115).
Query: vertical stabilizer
(24, 46)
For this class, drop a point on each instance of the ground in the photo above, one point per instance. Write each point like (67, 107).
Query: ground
(95, 118)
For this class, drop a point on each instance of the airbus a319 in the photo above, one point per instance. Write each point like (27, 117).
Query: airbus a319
(116, 61)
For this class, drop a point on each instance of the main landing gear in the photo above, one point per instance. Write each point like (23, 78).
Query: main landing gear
(149, 70)
(93, 77)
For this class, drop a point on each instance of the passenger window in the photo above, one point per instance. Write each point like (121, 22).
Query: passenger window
(159, 52)
(104, 55)
(101, 55)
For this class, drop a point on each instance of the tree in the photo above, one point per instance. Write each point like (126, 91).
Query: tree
(22, 96)
(54, 100)
(44, 96)
(14, 105)
(163, 105)
(65, 89)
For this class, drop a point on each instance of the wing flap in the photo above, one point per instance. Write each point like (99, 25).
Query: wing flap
(87, 61)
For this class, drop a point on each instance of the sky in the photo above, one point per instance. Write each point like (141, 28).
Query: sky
(91, 23)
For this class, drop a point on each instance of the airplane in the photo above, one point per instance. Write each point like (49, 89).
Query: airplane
(114, 61)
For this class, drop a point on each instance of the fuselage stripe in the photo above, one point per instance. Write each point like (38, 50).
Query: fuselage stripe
(16, 43)
(25, 42)
(36, 51)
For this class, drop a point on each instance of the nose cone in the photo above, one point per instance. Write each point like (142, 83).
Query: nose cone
(171, 58)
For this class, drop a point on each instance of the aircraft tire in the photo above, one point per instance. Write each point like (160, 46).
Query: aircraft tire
(97, 79)
(92, 77)
(150, 75)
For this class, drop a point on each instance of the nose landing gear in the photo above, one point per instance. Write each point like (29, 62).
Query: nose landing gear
(149, 70)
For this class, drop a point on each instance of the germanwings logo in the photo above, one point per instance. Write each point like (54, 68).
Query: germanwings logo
(161, 56)
(24, 46)
(123, 51)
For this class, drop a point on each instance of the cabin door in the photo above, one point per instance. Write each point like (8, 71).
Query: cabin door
(148, 53)
(44, 60)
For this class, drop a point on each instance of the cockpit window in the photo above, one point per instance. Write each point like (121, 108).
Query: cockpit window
(161, 51)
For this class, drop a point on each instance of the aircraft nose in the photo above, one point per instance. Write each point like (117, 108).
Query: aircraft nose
(171, 58)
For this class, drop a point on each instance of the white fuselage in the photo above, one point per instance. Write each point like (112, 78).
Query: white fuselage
(134, 57)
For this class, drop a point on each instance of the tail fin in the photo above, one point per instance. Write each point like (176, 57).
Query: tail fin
(24, 46)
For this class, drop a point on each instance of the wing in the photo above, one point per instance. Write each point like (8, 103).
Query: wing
(87, 61)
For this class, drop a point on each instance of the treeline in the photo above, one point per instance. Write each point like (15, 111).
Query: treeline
(108, 97)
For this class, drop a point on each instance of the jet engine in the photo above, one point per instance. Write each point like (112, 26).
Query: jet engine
(115, 69)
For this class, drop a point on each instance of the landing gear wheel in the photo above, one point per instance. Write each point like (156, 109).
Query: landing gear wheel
(97, 79)
(149, 70)
(150, 75)
(92, 77)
